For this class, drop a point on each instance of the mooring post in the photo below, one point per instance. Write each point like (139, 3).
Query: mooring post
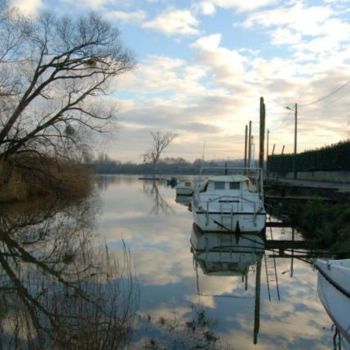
(249, 144)
(245, 146)
(295, 141)
(267, 152)
(262, 133)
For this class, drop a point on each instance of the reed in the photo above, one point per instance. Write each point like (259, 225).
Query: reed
(24, 177)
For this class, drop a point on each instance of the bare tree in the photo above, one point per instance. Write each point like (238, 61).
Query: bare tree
(160, 142)
(53, 75)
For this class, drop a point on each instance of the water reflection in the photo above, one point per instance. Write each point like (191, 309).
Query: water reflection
(57, 289)
(168, 292)
(222, 254)
(160, 205)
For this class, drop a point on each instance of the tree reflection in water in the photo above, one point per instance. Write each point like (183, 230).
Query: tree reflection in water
(57, 290)
(160, 205)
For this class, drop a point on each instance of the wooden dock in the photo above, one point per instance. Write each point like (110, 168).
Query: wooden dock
(278, 224)
(296, 198)
(291, 244)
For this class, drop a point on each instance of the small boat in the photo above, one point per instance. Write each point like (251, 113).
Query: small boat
(184, 188)
(333, 288)
(230, 203)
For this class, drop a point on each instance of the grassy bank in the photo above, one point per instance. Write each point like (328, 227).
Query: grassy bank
(327, 223)
(25, 177)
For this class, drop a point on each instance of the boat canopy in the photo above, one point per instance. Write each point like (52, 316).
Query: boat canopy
(228, 178)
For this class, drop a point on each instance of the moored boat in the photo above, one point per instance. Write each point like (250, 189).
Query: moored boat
(230, 203)
(184, 188)
(333, 288)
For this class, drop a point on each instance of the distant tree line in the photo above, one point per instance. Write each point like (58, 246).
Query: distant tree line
(105, 165)
(334, 157)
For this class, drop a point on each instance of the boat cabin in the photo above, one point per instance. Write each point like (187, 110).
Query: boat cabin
(228, 183)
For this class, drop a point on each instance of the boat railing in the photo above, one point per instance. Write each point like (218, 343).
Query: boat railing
(229, 207)
(216, 199)
(255, 174)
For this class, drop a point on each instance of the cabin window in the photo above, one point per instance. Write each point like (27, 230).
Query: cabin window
(219, 185)
(234, 185)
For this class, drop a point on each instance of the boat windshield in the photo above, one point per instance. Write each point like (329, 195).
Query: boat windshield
(219, 185)
(235, 185)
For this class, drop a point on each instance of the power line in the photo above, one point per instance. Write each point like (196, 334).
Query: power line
(326, 96)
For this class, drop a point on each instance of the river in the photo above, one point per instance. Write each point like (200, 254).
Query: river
(130, 245)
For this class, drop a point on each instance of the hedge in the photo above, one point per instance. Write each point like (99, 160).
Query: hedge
(335, 157)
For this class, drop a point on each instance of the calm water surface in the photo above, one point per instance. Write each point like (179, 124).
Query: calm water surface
(178, 300)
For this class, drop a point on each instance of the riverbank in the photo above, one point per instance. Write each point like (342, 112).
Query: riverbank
(327, 223)
(27, 177)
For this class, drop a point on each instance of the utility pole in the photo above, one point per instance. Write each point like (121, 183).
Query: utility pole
(249, 144)
(282, 150)
(245, 146)
(262, 134)
(273, 149)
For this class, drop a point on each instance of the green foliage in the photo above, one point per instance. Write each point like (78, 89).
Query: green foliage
(327, 223)
(328, 158)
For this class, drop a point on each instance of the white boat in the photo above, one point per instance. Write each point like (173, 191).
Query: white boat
(184, 188)
(333, 288)
(230, 203)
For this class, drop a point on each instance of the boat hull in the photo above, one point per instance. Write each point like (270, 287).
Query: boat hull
(184, 191)
(333, 290)
(230, 222)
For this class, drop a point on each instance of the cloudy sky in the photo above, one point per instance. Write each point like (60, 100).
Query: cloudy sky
(203, 65)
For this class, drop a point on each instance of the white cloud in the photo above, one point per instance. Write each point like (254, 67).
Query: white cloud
(285, 36)
(314, 29)
(90, 4)
(226, 65)
(242, 5)
(302, 19)
(28, 7)
(124, 16)
(210, 42)
(174, 22)
(206, 8)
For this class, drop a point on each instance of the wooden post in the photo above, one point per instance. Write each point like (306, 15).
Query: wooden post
(273, 149)
(282, 150)
(249, 144)
(267, 143)
(262, 134)
(295, 140)
(267, 152)
(245, 146)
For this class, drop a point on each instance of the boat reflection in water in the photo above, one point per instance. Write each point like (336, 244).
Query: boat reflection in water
(221, 254)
